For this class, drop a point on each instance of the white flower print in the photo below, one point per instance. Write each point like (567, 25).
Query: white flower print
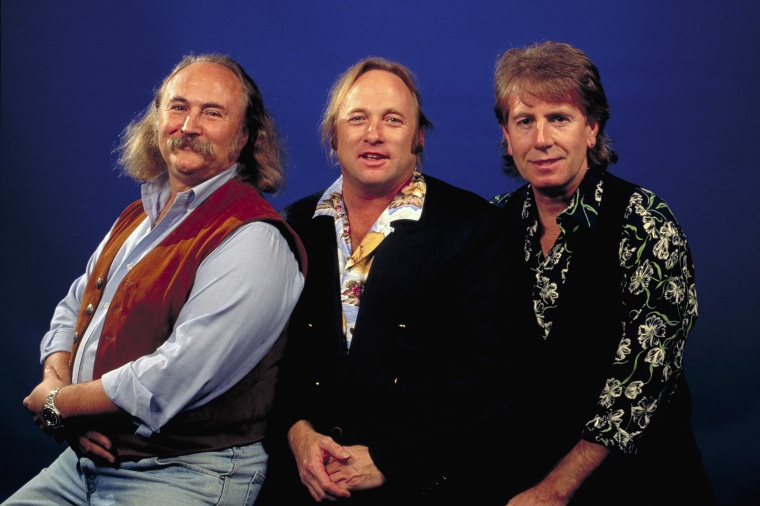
(625, 252)
(661, 248)
(692, 307)
(676, 291)
(615, 417)
(655, 356)
(672, 260)
(624, 348)
(640, 279)
(651, 331)
(633, 389)
(649, 225)
(612, 390)
(642, 413)
(547, 290)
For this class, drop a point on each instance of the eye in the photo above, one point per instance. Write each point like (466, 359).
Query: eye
(523, 122)
(394, 120)
(559, 118)
(177, 107)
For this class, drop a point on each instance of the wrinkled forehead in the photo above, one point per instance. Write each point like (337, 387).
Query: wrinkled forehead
(215, 82)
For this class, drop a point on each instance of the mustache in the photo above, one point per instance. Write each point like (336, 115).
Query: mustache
(199, 146)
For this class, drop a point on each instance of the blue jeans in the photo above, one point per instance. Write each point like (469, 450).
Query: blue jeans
(227, 477)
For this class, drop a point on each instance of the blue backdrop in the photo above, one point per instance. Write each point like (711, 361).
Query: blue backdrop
(681, 79)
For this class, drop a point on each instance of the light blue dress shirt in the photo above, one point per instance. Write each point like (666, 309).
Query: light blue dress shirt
(242, 298)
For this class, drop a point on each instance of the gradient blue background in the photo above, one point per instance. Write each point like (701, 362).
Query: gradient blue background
(681, 79)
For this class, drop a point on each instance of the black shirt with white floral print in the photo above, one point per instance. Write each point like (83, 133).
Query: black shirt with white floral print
(657, 291)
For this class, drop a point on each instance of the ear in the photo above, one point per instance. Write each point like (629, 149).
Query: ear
(506, 139)
(591, 133)
(419, 145)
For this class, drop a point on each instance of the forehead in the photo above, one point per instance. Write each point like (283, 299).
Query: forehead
(205, 82)
(553, 91)
(522, 101)
(379, 88)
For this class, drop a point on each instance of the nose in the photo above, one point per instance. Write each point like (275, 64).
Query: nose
(374, 132)
(543, 135)
(190, 126)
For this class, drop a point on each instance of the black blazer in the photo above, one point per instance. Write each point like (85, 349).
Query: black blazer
(422, 384)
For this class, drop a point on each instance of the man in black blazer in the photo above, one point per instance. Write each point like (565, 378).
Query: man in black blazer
(391, 386)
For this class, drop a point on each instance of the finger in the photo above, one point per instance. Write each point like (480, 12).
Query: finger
(336, 451)
(93, 450)
(99, 439)
(102, 453)
(335, 491)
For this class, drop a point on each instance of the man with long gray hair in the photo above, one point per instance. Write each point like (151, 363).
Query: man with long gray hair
(160, 362)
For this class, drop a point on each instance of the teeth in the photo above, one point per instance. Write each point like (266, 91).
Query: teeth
(372, 157)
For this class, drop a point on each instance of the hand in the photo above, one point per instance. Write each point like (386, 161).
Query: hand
(312, 452)
(535, 497)
(93, 445)
(558, 487)
(358, 472)
(35, 401)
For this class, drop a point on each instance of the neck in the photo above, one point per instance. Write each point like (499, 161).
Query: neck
(363, 209)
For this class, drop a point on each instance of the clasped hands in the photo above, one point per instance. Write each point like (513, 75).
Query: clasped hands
(329, 470)
(88, 443)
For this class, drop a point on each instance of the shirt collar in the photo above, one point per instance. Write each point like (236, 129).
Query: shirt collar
(583, 208)
(155, 193)
(406, 204)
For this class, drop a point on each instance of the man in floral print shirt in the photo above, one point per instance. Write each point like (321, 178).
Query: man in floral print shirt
(603, 412)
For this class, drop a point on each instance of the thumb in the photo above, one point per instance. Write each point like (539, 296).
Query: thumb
(337, 452)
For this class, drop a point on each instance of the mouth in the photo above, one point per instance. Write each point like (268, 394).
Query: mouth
(544, 163)
(373, 156)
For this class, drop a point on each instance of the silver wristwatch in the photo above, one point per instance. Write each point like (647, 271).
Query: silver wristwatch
(50, 413)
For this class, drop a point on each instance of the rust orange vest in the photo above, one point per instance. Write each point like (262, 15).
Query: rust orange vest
(143, 311)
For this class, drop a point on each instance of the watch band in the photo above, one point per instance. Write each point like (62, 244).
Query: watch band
(50, 412)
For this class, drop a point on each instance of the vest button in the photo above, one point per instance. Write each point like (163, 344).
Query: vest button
(89, 309)
(99, 283)
(76, 336)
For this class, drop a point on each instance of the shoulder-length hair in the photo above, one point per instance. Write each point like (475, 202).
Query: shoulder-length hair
(554, 72)
(261, 159)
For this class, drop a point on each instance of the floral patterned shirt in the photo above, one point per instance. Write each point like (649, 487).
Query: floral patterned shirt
(657, 290)
(354, 263)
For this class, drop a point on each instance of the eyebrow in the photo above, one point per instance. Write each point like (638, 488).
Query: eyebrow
(391, 110)
(206, 105)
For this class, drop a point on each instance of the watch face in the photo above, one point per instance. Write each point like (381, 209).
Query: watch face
(51, 417)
